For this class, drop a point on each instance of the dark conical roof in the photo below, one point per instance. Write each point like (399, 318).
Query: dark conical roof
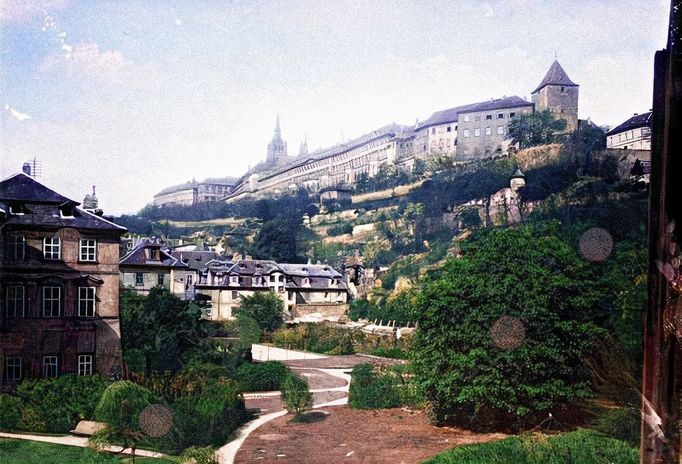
(556, 76)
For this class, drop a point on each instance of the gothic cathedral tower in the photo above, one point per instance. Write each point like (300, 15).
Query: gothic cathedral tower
(558, 94)
(277, 148)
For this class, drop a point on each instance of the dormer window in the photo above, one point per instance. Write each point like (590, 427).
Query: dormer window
(66, 211)
(17, 209)
(305, 281)
(153, 254)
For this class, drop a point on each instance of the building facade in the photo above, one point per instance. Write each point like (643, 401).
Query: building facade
(150, 264)
(193, 192)
(59, 282)
(633, 134)
(304, 289)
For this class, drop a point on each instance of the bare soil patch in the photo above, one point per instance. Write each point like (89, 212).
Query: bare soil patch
(355, 436)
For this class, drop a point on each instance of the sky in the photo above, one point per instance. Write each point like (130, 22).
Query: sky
(136, 96)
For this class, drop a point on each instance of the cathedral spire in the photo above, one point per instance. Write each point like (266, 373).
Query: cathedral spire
(277, 148)
(303, 150)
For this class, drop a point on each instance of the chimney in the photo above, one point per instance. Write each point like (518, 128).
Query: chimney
(26, 168)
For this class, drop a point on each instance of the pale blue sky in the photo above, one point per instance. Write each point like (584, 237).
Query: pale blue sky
(134, 96)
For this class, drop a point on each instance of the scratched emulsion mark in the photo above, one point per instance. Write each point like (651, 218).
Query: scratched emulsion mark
(508, 332)
(156, 420)
(596, 244)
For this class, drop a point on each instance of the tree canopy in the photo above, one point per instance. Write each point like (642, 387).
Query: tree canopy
(539, 128)
(505, 327)
(265, 308)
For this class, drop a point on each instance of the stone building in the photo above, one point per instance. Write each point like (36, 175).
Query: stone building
(277, 148)
(59, 282)
(150, 264)
(305, 289)
(558, 94)
(193, 192)
(633, 134)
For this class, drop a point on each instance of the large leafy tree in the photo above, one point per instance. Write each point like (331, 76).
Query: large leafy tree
(265, 308)
(539, 128)
(504, 329)
(159, 329)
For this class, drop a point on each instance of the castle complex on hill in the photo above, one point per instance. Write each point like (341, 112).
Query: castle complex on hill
(464, 133)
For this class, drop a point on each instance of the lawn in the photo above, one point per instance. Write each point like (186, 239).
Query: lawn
(579, 447)
(31, 452)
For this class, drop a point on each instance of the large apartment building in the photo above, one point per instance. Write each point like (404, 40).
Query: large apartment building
(59, 285)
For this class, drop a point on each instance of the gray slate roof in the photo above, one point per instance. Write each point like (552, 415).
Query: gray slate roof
(20, 187)
(638, 120)
(452, 114)
(555, 76)
(138, 257)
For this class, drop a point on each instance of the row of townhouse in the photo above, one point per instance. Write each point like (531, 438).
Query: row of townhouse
(59, 285)
(221, 283)
(306, 290)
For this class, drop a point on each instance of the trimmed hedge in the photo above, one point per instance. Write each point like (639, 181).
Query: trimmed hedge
(267, 376)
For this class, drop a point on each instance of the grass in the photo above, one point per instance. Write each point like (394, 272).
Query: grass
(579, 447)
(30, 452)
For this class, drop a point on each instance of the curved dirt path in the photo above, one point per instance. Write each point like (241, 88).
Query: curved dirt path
(330, 388)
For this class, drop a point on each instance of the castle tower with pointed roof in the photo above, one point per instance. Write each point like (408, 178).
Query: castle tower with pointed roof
(558, 94)
(277, 148)
(303, 150)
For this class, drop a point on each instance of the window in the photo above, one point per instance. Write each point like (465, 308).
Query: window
(500, 115)
(449, 129)
(52, 301)
(139, 279)
(50, 367)
(477, 118)
(84, 364)
(235, 295)
(86, 301)
(13, 369)
(14, 301)
(467, 118)
(477, 132)
(52, 248)
(488, 117)
(159, 280)
(488, 131)
(15, 247)
(88, 250)
(500, 130)
(562, 88)
(512, 114)
(466, 132)
(433, 130)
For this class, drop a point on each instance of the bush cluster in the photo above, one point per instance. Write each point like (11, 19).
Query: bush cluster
(267, 376)
(373, 390)
(56, 405)
(340, 229)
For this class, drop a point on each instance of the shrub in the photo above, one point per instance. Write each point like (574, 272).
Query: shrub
(579, 447)
(621, 423)
(61, 402)
(266, 308)
(265, 376)
(198, 455)
(10, 412)
(340, 229)
(369, 390)
(210, 416)
(31, 421)
(110, 408)
(296, 395)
